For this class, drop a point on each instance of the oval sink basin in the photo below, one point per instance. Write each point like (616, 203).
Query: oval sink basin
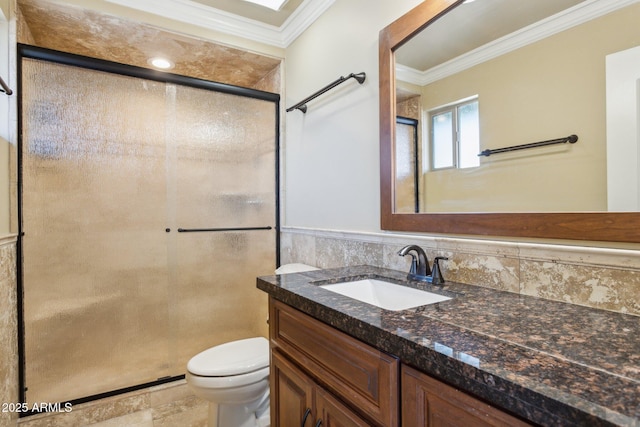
(387, 295)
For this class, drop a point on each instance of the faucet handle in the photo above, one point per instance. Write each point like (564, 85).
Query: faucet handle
(436, 274)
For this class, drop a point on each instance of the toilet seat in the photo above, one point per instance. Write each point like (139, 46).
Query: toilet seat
(233, 359)
(231, 381)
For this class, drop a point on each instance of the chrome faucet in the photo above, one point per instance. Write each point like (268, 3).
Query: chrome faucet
(419, 270)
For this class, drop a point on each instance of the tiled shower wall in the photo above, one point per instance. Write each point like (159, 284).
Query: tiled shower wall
(602, 278)
(8, 329)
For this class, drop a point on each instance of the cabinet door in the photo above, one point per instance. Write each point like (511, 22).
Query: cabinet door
(362, 376)
(428, 402)
(333, 413)
(291, 394)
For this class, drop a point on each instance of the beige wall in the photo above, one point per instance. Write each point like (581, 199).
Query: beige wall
(550, 89)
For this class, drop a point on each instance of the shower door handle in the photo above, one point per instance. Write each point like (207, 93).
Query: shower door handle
(200, 230)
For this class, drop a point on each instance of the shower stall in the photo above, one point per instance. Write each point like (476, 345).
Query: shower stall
(148, 205)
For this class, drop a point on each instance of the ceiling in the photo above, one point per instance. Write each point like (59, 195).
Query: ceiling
(472, 25)
(238, 17)
(480, 30)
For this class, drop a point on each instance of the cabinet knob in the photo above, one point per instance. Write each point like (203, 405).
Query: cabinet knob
(319, 423)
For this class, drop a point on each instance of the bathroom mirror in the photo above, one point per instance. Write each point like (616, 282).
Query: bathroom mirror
(590, 224)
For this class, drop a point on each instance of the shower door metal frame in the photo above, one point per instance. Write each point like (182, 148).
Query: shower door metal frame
(33, 52)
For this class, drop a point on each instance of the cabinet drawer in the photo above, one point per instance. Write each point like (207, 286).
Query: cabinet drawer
(428, 402)
(357, 373)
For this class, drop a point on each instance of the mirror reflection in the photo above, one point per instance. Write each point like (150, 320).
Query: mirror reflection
(498, 73)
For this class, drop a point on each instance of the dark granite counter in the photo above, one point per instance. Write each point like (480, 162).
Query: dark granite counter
(552, 363)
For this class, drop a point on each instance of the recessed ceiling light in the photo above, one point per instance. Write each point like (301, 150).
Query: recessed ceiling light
(161, 63)
(271, 4)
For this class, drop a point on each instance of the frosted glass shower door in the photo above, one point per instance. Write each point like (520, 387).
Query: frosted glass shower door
(114, 294)
(224, 156)
(93, 215)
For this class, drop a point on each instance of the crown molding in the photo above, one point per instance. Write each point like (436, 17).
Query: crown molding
(194, 13)
(557, 23)
(305, 15)
(411, 75)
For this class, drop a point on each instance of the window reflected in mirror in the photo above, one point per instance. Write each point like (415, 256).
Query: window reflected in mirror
(455, 136)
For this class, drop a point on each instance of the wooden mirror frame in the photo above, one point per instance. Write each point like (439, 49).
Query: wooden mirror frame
(593, 226)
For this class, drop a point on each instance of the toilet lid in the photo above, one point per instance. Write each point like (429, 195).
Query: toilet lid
(232, 358)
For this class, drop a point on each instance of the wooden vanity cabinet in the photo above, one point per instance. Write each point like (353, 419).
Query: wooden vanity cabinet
(336, 380)
(342, 380)
(429, 402)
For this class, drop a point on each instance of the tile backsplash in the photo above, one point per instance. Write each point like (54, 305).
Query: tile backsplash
(602, 278)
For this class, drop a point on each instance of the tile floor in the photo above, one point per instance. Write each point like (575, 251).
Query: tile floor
(168, 405)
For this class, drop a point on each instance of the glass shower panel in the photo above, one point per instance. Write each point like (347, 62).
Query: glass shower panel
(94, 249)
(406, 158)
(224, 154)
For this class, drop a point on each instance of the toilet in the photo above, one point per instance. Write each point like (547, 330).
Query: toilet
(234, 377)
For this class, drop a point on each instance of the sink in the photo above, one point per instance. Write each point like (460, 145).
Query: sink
(383, 294)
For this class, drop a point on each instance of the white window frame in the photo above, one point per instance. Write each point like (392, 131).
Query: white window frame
(455, 131)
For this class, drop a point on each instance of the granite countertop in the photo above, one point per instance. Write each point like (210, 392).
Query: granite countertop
(549, 362)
